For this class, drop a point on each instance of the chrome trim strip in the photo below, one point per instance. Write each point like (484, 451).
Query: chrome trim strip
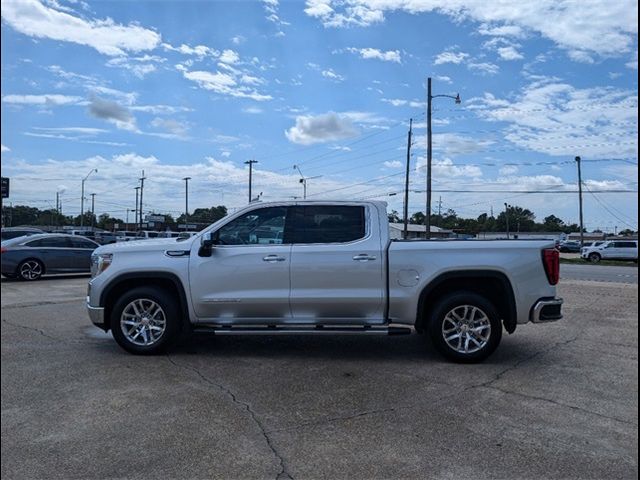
(540, 304)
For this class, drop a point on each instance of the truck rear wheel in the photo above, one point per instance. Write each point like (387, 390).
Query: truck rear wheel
(465, 327)
(145, 321)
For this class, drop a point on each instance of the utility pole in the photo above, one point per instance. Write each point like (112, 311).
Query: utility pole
(580, 200)
(142, 179)
(430, 97)
(405, 215)
(506, 216)
(135, 221)
(250, 163)
(186, 200)
(93, 209)
(82, 197)
(439, 207)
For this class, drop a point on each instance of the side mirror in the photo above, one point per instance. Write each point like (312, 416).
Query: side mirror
(207, 240)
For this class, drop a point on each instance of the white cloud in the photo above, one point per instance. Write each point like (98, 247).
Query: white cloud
(561, 120)
(509, 53)
(47, 100)
(445, 168)
(393, 164)
(273, 16)
(88, 131)
(376, 54)
(198, 50)
(229, 57)
(172, 126)
(398, 102)
(139, 66)
(600, 26)
(238, 40)
(252, 110)
(5, 149)
(34, 19)
(223, 83)
(485, 68)
(450, 57)
(331, 75)
(508, 170)
(321, 128)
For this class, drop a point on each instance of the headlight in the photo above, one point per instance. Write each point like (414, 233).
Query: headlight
(100, 262)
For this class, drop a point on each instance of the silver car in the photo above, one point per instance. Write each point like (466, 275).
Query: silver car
(28, 258)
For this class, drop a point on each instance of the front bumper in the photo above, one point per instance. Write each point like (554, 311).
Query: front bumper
(546, 310)
(96, 314)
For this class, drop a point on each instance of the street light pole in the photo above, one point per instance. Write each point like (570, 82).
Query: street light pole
(82, 197)
(580, 200)
(430, 97)
(186, 199)
(93, 209)
(303, 181)
(405, 213)
(250, 163)
(506, 216)
(136, 215)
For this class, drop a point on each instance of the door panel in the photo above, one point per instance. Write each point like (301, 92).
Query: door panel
(246, 278)
(336, 282)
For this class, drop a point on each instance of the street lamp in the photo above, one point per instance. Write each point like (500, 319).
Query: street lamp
(303, 180)
(186, 199)
(506, 216)
(95, 170)
(429, 151)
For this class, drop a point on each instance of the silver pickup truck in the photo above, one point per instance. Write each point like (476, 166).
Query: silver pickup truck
(321, 268)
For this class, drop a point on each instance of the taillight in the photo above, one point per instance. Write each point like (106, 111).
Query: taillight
(551, 262)
(2, 250)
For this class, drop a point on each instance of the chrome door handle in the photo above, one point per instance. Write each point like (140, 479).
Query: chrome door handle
(273, 258)
(363, 257)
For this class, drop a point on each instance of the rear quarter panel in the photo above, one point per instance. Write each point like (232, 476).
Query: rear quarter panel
(414, 265)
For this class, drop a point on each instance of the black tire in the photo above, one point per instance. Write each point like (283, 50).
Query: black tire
(30, 270)
(170, 311)
(594, 257)
(486, 315)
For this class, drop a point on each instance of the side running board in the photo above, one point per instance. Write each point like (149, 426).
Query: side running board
(303, 330)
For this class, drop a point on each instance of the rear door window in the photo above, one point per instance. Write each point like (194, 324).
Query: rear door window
(53, 242)
(82, 243)
(329, 224)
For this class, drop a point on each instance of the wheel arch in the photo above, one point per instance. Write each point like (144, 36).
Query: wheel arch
(164, 280)
(491, 284)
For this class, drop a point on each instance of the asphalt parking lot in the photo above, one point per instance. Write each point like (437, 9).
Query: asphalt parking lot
(555, 401)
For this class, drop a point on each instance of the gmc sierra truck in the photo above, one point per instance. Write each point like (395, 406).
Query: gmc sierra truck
(321, 268)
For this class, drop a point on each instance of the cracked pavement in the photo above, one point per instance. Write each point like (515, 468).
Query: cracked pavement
(555, 401)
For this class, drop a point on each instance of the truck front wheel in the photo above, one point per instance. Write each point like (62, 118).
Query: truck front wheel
(465, 327)
(145, 321)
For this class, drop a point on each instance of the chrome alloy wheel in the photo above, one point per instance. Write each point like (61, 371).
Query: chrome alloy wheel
(143, 322)
(466, 329)
(31, 270)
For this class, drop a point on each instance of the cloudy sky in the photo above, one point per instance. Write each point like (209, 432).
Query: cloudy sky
(197, 88)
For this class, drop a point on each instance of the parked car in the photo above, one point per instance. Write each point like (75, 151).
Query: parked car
(331, 268)
(15, 232)
(125, 236)
(106, 238)
(145, 234)
(569, 246)
(28, 258)
(612, 250)
(587, 245)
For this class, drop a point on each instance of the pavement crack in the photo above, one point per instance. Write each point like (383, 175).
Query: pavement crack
(561, 404)
(283, 473)
(324, 421)
(37, 330)
(519, 363)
